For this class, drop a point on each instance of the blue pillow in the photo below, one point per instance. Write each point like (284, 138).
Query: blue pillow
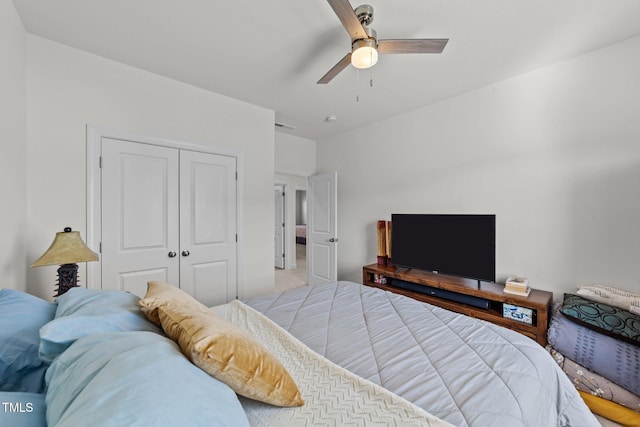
(20, 409)
(82, 312)
(21, 317)
(135, 378)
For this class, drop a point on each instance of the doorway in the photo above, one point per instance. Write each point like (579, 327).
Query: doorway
(294, 271)
(279, 227)
(301, 234)
(316, 256)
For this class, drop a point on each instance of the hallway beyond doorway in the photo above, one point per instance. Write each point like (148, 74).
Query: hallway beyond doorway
(289, 279)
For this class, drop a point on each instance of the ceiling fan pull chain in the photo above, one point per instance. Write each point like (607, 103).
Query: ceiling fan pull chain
(357, 85)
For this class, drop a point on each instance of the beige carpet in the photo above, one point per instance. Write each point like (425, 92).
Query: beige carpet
(289, 279)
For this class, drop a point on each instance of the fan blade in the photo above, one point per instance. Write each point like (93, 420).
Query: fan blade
(412, 45)
(349, 20)
(341, 65)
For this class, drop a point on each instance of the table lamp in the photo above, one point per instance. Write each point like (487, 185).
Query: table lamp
(66, 250)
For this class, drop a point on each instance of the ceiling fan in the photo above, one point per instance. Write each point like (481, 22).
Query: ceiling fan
(365, 45)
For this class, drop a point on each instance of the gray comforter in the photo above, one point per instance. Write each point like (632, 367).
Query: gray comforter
(463, 370)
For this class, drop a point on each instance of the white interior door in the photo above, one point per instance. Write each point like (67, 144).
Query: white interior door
(279, 224)
(208, 227)
(322, 228)
(139, 215)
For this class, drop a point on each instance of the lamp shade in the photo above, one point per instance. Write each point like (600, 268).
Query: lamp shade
(67, 248)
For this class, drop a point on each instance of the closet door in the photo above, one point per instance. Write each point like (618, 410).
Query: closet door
(208, 227)
(139, 215)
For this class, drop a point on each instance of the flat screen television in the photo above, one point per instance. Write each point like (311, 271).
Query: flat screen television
(458, 245)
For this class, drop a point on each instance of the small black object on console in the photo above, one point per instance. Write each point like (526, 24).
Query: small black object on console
(442, 293)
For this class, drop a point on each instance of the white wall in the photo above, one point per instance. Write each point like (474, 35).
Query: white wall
(13, 149)
(294, 155)
(555, 154)
(301, 207)
(68, 89)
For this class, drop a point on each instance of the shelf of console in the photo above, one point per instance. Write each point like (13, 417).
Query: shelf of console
(539, 301)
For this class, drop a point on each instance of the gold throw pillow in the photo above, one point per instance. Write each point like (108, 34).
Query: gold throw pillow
(221, 349)
(159, 294)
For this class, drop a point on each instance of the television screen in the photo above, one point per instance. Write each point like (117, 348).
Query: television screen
(458, 245)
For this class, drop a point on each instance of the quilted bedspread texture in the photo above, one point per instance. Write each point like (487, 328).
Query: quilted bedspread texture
(465, 371)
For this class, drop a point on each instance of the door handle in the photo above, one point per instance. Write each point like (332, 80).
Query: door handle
(333, 239)
(186, 253)
(172, 254)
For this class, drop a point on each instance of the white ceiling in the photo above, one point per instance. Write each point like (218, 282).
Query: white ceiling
(272, 53)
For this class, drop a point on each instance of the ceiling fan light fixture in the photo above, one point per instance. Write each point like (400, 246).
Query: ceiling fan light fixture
(364, 53)
(364, 41)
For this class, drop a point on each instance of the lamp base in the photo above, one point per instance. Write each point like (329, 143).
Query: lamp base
(67, 278)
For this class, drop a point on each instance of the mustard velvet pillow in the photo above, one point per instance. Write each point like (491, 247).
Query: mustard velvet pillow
(159, 294)
(220, 348)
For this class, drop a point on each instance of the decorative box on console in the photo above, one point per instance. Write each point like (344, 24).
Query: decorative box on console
(379, 278)
(515, 312)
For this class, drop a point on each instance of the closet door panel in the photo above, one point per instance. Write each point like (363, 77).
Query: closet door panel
(208, 279)
(139, 215)
(208, 226)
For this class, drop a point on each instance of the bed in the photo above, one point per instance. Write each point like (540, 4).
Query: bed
(301, 234)
(359, 355)
(465, 371)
